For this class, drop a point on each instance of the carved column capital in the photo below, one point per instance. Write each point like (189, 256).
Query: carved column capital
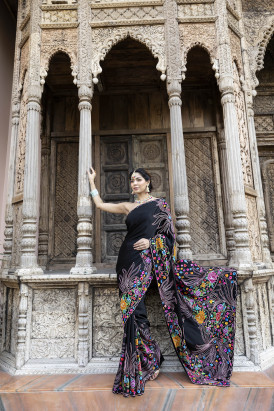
(174, 92)
(34, 93)
(85, 92)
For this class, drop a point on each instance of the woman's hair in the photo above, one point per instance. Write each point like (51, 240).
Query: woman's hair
(144, 174)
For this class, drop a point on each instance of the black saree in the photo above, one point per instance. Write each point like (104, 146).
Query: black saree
(199, 305)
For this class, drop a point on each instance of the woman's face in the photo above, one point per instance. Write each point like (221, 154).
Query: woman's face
(138, 183)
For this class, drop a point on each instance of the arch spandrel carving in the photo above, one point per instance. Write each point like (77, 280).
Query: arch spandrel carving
(57, 41)
(192, 35)
(103, 39)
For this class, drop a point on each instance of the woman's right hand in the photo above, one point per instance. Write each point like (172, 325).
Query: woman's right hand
(91, 175)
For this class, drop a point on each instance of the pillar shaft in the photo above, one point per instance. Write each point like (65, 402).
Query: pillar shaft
(31, 190)
(181, 203)
(229, 229)
(242, 255)
(6, 263)
(84, 257)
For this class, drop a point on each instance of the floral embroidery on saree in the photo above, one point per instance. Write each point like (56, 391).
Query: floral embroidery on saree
(199, 305)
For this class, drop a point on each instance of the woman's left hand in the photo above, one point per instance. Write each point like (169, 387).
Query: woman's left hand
(142, 244)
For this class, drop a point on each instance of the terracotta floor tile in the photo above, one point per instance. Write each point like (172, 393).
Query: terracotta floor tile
(251, 399)
(189, 399)
(182, 380)
(4, 377)
(151, 400)
(251, 379)
(270, 372)
(91, 382)
(51, 401)
(49, 383)
(164, 380)
(18, 382)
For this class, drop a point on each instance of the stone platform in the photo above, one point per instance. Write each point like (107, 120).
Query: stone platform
(170, 392)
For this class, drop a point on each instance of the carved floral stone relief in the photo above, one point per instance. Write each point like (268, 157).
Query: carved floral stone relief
(53, 324)
(63, 40)
(59, 16)
(242, 127)
(107, 322)
(17, 234)
(236, 51)
(253, 229)
(11, 320)
(239, 337)
(264, 315)
(21, 142)
(198, 34)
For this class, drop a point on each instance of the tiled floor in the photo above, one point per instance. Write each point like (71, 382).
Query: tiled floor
(170, 392)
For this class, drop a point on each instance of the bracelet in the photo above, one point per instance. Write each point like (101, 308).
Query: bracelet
(94, 193)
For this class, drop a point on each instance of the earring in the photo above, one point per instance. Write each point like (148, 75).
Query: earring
(132, 192)
(148, 189)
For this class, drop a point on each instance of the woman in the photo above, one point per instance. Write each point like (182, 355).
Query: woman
(199, 304)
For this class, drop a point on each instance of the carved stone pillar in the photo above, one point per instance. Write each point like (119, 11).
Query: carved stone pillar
(84, 258)
(83, 331)
(8, 233)
(242, 255)
(229, 229)
(267, 261)
(249, 94)
(44, 198)
(181, 203)
(22, 324)
(248, 289)
(31, 190)
(6, 262)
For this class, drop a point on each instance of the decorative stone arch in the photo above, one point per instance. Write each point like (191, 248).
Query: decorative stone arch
(104, 39)
(46, 58)
(212, 57)
(267, 35)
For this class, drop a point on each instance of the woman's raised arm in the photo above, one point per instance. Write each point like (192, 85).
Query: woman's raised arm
(119, 208)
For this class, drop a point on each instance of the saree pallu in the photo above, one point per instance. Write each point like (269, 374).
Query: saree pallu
(199, 306)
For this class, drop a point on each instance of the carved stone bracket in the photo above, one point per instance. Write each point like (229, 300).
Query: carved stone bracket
(83, 319)
(248, 289)
(103, 39)
(22, 325)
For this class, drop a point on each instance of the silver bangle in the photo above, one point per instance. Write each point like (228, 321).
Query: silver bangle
(94, 193)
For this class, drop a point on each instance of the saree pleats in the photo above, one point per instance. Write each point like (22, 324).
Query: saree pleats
(199, 305)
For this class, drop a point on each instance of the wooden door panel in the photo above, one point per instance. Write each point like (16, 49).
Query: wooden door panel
(150, 152)
(120, 155)
(63, 215)
(116, 164)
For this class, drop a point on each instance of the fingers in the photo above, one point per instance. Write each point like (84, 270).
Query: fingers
(91, 172)
(142, 244)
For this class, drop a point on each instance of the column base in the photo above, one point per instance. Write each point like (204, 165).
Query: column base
(77, 270)
(29, 271)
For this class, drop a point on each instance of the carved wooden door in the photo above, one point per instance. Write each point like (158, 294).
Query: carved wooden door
(120, 155)
(63, 203)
